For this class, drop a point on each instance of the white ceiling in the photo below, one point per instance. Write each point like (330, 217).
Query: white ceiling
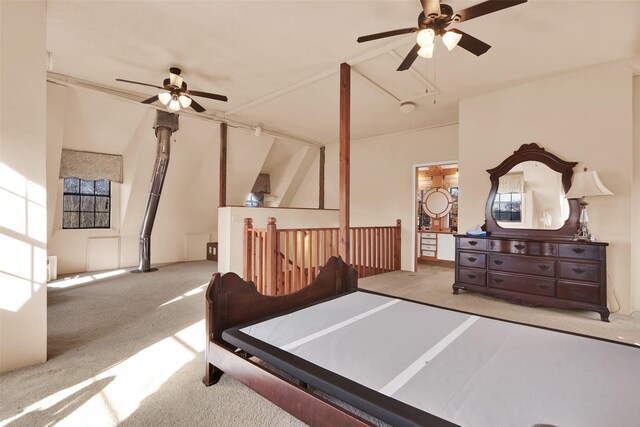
(248, 50)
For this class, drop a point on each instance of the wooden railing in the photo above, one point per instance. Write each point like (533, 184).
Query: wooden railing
(281, 261)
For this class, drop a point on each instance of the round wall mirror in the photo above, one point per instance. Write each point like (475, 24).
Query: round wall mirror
(437, 202)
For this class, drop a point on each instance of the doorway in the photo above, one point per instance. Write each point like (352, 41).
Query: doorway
(435, 213)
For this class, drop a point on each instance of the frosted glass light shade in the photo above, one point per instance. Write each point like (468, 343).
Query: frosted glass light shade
(586, 184)
(185, 101)
(426, 51)
(451, 39)
(174, 105)
(164, 97)
(425, 37)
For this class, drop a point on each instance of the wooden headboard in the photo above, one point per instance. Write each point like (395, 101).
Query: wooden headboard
(230, 301)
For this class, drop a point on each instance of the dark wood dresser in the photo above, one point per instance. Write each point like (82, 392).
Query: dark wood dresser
(534, 271)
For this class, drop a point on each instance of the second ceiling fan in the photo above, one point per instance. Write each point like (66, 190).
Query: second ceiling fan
(433, 21)
(174, 93)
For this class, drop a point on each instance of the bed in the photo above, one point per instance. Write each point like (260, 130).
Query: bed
(329, 348)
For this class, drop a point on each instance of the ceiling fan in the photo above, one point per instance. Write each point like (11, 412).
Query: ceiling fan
(174, 93)
(433, 21)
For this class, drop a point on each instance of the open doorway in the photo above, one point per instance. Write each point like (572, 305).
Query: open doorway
(435, 213)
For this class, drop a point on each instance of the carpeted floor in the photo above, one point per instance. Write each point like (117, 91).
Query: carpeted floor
(126, 349)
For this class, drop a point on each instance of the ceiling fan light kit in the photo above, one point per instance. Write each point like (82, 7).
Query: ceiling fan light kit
(427, 51)
(434, 20)
(451, 39)
(174, 93)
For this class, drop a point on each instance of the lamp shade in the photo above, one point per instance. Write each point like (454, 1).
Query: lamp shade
(451, 39)
(586, 184)
(425, 37)
(426, 51)
(164, 97)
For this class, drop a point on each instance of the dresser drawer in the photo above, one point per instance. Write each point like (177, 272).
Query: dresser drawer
(579, 292)
(472, 277)
(529, 285)
(523, 247)
(470, 259)
(428, 247)
(429, 235)
(567, 250)
(582, 271)
(471, 243)
(523, 264)
(429, 254)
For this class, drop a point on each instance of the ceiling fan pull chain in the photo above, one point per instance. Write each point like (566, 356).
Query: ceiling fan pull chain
(426, 73)
(435, 81)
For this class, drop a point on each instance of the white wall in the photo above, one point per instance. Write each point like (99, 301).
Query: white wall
(635, 224)
(582, 116)
(382, 178)
(23, 197)
(186, 213)
(231, 228)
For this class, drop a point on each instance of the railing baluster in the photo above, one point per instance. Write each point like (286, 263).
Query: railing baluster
(302, 255)
(285, 266)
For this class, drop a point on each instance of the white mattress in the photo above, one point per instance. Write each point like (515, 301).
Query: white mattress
(470, 370)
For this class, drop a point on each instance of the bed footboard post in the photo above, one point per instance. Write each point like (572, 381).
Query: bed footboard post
(212, 374)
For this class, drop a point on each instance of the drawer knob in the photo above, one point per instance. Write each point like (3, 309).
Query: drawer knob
(519, 247)
(498, 280)
(578, 270)
(543, 267)
(471, 276)
(544, 286)
(492, 244)
(472, 243)
(577, 250)
(472, 259)
(498, 262)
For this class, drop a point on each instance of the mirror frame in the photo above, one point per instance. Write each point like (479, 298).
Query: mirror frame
(533, 152)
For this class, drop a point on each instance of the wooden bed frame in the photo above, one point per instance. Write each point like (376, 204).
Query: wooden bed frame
(230, 301)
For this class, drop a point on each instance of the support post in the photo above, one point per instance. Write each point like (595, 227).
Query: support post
(222, 192)
(321, 180)
(271, 256)
(247, 263)
(397, 248)
(345, 150)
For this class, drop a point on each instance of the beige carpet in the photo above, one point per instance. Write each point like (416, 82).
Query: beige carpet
(125, 349)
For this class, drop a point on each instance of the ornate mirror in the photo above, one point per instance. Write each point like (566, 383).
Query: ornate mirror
(527, 196)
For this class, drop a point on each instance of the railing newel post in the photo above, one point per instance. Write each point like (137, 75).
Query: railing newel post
(247, 264)
(271, 257)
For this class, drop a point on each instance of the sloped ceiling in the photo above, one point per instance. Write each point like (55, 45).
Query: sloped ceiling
(252, 49)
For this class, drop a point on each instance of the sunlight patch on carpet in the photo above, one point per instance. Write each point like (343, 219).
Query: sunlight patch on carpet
(130, 382)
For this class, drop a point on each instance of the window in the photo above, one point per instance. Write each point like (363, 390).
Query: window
(86, 204)
(253, 200)
(507, 207)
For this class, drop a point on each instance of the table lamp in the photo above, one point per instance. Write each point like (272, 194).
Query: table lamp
(585, 184)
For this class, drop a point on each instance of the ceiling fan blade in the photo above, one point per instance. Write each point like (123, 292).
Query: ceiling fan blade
(199, 108)
(138, 83)
(410, 58)
(386, 34)
(150, 100)
(472, 44)
(431, 8)
(208, 95)
(486, 7)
